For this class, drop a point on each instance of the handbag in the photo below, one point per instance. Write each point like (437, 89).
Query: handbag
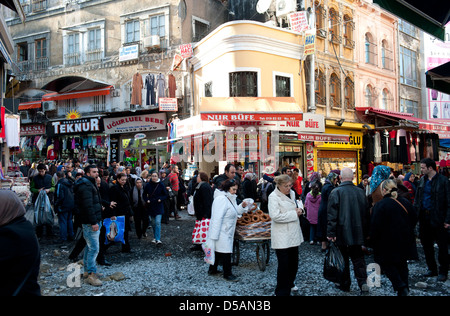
(200, 232)
(209, 248)
(190, 207)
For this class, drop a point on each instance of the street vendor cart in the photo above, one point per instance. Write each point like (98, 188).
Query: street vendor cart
(253, 228)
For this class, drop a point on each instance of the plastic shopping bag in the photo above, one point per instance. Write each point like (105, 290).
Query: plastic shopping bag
(334, 264)
(190, 207)
(209, 248)
(114, 229)
(43, 213)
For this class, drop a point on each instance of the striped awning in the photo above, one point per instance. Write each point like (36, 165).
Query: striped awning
(55, 96)
(30, 105)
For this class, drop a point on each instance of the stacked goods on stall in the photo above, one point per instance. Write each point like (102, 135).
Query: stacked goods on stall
(254, 224)
(21, 186)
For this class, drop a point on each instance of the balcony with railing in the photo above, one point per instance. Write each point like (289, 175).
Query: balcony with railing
(39, 64)
(72, 59)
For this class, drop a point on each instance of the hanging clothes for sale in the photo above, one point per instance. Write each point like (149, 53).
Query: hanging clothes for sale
(393, 151)
(384, 139)
(402, 146)
(368, 152)
(150, 86)
(172, 86)
(377, 147)
(136, 92)
(161, 86)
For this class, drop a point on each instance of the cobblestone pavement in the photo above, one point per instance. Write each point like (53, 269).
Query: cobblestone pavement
(174, 270)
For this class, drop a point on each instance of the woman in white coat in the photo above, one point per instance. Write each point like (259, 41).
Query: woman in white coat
(286, 234)
(224, 214)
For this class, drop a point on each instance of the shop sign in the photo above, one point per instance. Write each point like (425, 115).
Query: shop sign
(34, 129)
(140, 136)
(114, 150)
(252, 116)
(324, 138)
(168, 104)
(186, 50)
(88, 125)
(310, 42)
(137, 123)
(298, 21)
(127, 53)
(354, 140)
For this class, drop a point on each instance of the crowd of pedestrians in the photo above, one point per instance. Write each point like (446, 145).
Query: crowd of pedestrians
(379, 215)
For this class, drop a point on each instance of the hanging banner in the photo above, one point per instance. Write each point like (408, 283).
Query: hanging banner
(186, 50)
(2, 122)
(168, 104)
(127, 53)
(298, 21)
(310, 42)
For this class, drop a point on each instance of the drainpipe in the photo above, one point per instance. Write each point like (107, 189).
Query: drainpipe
(312, 93)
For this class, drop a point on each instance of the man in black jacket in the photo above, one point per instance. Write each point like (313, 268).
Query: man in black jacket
(348, 219)
(64, 205)
(432, 201)
(88, 200)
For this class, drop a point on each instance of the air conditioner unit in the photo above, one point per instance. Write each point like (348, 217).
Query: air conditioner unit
(284, 7)
(25, 117)
(156, 41)
(148, 42)
(48, 106)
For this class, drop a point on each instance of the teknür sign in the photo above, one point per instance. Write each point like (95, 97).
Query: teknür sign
(81, 126)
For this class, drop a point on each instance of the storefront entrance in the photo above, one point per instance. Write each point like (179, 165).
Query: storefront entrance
(139, 152)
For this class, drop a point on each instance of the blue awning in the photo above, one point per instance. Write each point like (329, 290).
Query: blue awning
(444, 143)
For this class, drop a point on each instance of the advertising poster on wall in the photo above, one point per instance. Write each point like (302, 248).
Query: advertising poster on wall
(437, 53)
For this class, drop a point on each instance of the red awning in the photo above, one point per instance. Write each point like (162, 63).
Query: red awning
(430, 125)
(76, 94)
(30, 105)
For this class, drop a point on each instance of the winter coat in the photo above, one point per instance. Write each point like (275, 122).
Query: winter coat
(39, 182)
(203, 200)
(392, 231)
(285, 229)
(19, 253)
(154, 191)
(224, 215)
(64, 199)
(88, 200)
(348, 215)
(322, 216)
(312, 204)
(440, 200)
(249, 189)
(121, 196)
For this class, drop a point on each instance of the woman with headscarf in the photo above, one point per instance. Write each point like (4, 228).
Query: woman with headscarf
(409, 183)
(380, 173)
(330, 183)
(19, 249)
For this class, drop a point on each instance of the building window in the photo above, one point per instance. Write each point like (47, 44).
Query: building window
(243, 84)
(407, 28)
(282, 86)
(73, 49)
(22, 52)
(386, 56)
(409, 106)
(370, 96)
(349, 26)
(39, 5)
(349, 94)
(94, 51)
(320, 18)
(319, 87)
(199, 30)
(41, 60)
(208, 89)
(99, 103)
(385, 102)
(408, 67)
(335, 91)
(158, 25)
(370, 49)
(333, 26)
(132, 31)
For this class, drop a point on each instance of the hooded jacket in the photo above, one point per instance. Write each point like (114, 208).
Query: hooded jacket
(64, 199)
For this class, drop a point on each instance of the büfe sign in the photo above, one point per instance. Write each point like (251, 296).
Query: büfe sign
(252, 116)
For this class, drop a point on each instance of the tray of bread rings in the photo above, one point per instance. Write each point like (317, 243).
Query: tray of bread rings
(253, 224)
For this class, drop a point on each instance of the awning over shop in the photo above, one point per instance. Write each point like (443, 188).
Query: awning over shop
(54, 96)
(74, 83)
(250, 109)
(430, 16)
(30, 105)
(438, 78)
(404, 120)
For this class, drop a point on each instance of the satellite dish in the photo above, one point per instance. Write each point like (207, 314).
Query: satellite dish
(263, 5)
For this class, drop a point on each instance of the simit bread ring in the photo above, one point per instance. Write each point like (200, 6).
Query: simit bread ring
(265, 218)
(256, 218)
(253, 207)
(259, 212)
